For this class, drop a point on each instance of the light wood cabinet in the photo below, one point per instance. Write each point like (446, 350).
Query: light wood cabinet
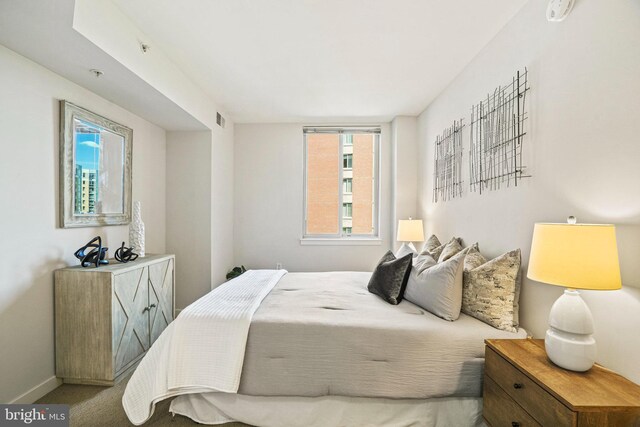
(523, 388)
(106, 318)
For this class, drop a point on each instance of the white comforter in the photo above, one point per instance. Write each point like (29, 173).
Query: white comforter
(214, 328)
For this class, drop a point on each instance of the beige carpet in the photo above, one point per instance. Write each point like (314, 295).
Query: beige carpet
(96, 406)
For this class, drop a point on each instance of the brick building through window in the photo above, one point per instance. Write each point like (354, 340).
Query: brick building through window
(341, 183)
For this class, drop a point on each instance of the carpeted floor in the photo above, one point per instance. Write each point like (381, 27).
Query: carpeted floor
(95, 406)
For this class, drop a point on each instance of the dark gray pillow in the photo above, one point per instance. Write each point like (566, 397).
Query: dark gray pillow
(389, 279)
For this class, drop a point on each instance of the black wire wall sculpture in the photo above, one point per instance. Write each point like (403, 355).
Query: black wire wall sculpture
(96, 254)
(124, 254)
(497, 135)
(447, 175)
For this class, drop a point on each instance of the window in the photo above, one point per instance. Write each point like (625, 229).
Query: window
(347, 185)
(347, 162)
(341, 182)
(347, 210)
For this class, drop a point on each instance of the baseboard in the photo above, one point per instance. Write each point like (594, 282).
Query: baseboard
(38, 391)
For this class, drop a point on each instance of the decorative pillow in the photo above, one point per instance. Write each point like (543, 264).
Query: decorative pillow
(474, 258)
(423, 261)
(438, 289)
(431, 243)
(389, 279)
(490, 289)
(450, 249)
(436, 251)
(404, 250)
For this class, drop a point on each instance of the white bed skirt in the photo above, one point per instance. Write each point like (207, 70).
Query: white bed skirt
(327, 411)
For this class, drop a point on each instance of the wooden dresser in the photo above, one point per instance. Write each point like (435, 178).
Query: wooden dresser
(523, 388)
(106, 318)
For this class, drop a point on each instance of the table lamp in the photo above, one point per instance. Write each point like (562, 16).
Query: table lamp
(575, 256)
(409, 230)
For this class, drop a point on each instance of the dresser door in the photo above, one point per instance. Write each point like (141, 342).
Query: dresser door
(130, 316)
(160, 295)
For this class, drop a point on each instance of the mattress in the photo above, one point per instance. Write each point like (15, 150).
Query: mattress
(324, 334)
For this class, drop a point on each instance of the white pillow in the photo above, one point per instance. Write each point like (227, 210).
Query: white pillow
(438, 289)
(423, 261)
(404, 250)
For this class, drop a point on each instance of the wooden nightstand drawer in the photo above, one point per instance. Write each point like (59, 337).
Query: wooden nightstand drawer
(500, 410)
(550, 395)
(546, 409)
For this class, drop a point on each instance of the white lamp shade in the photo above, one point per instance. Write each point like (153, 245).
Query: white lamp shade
(579, 256)
(410, 230)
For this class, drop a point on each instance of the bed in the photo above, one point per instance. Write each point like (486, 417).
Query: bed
(321, 350)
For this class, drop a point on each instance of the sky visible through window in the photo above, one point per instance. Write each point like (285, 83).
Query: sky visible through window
(87, 146)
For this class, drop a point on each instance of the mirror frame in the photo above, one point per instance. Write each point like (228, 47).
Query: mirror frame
(68, 217)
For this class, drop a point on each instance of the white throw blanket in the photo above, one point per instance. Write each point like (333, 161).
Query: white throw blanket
(203, 349)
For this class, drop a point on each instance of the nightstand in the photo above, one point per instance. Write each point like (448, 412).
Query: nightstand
(523, 388)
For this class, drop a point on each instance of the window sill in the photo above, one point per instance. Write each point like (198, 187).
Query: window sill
(319, 241)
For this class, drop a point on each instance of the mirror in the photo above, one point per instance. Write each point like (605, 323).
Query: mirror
(95, 169)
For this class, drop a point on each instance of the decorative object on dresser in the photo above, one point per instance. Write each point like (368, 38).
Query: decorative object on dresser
(107, 318)
(575, 256)
(136, 230)
(95, 169)
(409, 231)
(124, 254)
(522, 388)
(96, 256)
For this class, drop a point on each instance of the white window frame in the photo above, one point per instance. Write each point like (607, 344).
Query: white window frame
(341, 237)
(344, 186)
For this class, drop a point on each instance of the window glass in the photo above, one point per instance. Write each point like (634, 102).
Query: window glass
(341, 183)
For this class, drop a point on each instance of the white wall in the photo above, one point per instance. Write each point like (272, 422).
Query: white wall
(200, 204)
(404, 163)
(222, 203)
(189, 213)
(582, 150)
(268, 185)
(33, 245)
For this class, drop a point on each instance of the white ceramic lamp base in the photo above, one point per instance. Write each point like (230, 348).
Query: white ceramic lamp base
(569, 341)
(405, 249)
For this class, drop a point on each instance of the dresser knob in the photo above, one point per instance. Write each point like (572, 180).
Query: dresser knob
(515, 424)
(517, 385)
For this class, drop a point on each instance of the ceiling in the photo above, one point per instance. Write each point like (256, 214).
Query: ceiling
(318, 60)
(41, 30)
(271, 60)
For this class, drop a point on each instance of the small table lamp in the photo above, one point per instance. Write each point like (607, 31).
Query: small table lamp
(576, 256)
(409, 230)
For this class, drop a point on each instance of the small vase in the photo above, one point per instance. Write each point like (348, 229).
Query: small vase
(136, 230)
